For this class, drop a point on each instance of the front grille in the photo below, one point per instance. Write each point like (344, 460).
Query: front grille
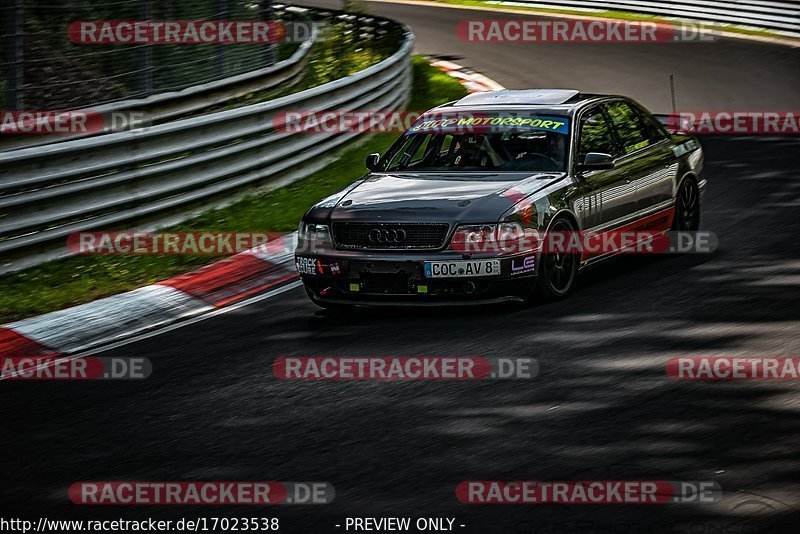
(383, 236)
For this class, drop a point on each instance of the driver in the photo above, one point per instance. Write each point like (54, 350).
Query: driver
(536, 150)
(476, 151)
(556, 144)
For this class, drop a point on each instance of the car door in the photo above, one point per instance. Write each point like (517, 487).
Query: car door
(605, 195)
(647, 157)
(658, 188)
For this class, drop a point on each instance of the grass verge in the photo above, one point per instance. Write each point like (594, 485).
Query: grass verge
(66, 282)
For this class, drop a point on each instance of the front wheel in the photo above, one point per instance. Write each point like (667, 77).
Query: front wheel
(687, 207)
(558, 271)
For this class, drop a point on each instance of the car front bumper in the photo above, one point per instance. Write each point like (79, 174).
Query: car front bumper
(360, 277)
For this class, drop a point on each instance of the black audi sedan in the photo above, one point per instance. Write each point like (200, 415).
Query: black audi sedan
(464, 206)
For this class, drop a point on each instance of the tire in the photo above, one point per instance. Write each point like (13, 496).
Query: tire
(687, 207)
(557, 272)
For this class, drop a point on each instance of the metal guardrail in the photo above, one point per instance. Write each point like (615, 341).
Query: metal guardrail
(45, 69)
(166, 173)
(781, 17)
(164, 106)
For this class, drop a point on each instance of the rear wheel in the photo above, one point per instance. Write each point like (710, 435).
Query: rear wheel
(557, 271)
(687, 207)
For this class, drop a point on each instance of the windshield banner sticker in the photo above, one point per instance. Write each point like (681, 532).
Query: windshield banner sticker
(462, 123)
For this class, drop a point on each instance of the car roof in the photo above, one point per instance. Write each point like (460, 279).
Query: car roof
(557, 101)
(519, 96)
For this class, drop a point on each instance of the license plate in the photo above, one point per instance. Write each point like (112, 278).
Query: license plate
(461, 269)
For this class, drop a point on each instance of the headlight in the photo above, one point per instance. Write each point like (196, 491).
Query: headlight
(503, 238)
(312, 234)
(474, 238)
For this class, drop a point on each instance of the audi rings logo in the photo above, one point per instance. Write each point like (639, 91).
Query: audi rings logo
(385, 235)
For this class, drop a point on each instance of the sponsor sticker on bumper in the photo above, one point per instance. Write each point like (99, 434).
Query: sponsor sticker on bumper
(306, 265)
(318, 267)
(461, 269)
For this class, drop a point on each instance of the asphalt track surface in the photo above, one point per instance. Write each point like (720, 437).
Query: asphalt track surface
(601, 408)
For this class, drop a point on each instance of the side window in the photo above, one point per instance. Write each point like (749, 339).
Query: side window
(655, 131)
(628, 126)
(595, 135)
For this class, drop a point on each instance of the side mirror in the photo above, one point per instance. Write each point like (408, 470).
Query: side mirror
(597, 161)
(373, 160)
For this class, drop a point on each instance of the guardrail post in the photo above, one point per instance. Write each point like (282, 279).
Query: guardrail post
(144, 55)
(270, 52)
(221, 12)
(15, 66)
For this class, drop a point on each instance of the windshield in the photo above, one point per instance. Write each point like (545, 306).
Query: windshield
(497, 142)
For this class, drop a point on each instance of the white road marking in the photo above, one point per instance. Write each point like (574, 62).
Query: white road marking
(197, 319)
(168, 328)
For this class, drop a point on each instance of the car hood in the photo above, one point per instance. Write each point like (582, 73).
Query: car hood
(442, 197)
